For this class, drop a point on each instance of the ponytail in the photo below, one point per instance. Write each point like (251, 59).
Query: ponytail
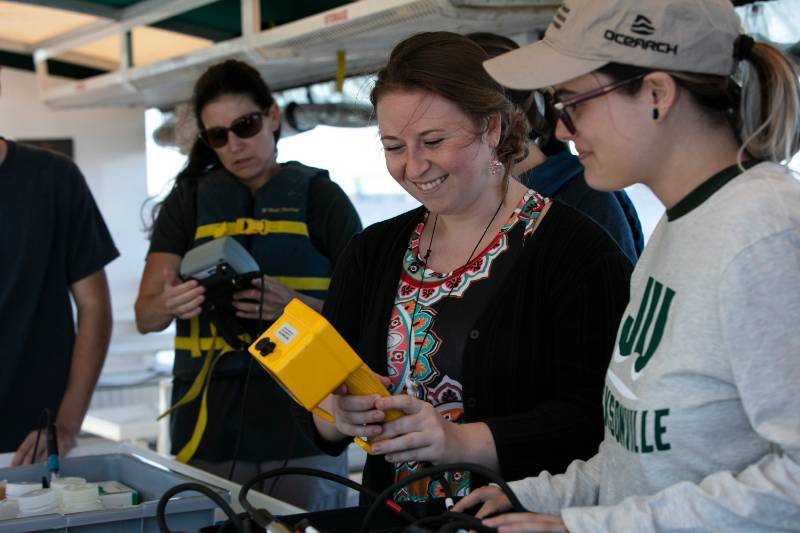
(763, 110)
(769, 107)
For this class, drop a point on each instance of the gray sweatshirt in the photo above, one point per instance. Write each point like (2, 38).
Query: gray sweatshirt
(702, 396)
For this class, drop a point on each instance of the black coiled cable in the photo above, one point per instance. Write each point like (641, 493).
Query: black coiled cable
(447, 522)
(435, 470)
(197, 487)
(305, 472)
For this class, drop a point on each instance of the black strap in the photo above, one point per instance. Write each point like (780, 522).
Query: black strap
(743, 47)
(229, 328)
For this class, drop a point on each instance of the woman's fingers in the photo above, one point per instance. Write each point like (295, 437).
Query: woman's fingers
(401, 402)
(409, 424)
(420, 417)
(526, 522)
(248, 294)
(176, 296)
(475, 497)
(247, 309)
(356, 415)
(406, 448)
(494, 505)
(247, 304)
(190, 308)
(360, 418)
(359, 409)
(412, 438)
(184, 299)
(24, 451)
(359, 430)
(191, 314)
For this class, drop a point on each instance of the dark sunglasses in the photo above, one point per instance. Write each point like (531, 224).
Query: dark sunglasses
(243, 127)
(560, 106)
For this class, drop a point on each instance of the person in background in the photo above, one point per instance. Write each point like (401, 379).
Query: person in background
(700, 404)
(295, 222)
(489, 311)
(55, 245)
(551, 170)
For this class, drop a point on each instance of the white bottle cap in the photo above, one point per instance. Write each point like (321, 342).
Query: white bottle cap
(80, 498)
(63, 481)
(40, 501)
(17, 489)
(58, 485)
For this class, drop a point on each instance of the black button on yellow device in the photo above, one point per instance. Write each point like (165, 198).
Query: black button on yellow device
(265, 346)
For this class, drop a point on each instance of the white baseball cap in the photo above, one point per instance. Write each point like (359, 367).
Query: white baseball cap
(679, 35)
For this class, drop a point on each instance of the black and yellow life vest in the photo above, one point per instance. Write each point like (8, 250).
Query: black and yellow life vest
(271, 225)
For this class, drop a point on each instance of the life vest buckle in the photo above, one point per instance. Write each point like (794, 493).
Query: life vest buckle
(250, 226)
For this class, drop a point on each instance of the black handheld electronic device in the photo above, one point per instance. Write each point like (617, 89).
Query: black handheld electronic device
(222, 266)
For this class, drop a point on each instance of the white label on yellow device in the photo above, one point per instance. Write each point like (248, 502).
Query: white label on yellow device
(286, 333)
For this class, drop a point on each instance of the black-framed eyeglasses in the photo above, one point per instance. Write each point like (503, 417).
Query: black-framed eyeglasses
(560, 106)
(243, 127)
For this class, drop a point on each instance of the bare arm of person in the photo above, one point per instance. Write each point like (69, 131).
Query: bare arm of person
(93, 334)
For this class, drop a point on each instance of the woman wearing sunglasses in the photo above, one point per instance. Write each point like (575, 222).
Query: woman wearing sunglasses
(295, 222)
(700, 403)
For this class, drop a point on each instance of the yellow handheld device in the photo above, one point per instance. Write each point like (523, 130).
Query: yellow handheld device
(310, 360)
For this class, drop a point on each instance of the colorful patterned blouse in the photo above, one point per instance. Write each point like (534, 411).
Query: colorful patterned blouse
(443, 309)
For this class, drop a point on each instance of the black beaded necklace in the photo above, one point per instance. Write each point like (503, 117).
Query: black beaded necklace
(413, 385)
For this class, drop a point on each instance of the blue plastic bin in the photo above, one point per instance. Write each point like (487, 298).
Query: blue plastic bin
(187, 511)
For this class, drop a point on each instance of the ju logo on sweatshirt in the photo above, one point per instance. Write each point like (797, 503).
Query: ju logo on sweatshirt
(634, 422)
(643, 334)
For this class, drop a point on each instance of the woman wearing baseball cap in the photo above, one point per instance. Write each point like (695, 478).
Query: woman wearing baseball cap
(700, 402)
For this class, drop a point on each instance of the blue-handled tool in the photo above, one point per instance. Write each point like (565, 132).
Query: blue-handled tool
(52, 451)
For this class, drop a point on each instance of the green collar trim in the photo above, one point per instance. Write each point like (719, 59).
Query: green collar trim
(704, 191)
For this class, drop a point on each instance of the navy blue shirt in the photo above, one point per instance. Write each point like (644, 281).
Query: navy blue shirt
(561, 176)
(52, 236)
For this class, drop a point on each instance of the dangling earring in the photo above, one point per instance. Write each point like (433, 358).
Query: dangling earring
(655, 113)
(495, 166)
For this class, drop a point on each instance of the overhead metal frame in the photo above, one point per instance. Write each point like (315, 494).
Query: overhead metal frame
(289, 55)
(141, 14)
(80, 6)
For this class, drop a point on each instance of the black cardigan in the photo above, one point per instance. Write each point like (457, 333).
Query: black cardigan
(535, 361)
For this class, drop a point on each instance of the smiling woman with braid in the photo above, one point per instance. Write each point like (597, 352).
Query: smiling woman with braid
(490, 310)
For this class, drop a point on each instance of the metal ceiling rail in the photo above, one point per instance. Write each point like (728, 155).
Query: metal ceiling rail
(80, 6)
(141, 14)
(289, 55)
